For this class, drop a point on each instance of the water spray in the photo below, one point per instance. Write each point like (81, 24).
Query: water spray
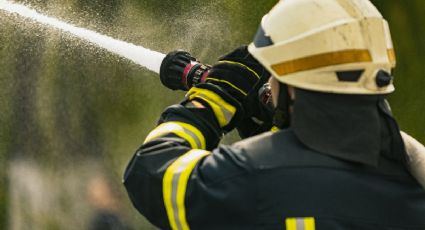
(184, 71)
(178, 70)
(142, 56)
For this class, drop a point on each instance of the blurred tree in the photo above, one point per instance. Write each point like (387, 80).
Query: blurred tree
(6, 76)
(406, 24)
(25, 132)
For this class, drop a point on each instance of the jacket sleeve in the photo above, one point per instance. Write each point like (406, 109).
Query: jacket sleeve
(178, 178)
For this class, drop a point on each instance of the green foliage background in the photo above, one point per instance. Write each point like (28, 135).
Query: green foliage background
(65, 102)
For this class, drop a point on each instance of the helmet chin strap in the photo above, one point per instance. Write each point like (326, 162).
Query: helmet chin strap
(282, 114)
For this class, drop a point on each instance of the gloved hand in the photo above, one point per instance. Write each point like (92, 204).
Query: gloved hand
(252, 76)
(416, 153)
(237, 73)
(236, 79)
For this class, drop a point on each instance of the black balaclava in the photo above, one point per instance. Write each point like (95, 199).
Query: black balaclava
(357, 128)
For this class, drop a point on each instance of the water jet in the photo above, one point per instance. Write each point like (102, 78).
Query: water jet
(142, 56)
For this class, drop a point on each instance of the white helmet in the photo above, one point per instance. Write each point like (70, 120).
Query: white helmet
(335, 46)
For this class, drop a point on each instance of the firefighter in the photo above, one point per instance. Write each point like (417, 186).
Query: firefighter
(337, 161)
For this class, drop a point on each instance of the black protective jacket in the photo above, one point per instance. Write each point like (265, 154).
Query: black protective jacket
(270, 181)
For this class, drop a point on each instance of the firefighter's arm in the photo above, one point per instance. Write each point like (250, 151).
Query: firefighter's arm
(176, 187)
(179, 70)
(168, 163)
(416, 153)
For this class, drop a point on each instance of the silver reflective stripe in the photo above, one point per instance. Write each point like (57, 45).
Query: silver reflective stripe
(228, 115)
(174, 187)
(194, 137)
(175, 183)
(300, 224)
(223, 110)
(186, 131)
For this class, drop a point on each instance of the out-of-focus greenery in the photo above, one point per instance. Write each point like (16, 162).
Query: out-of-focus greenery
(65, 101)
(406, 21)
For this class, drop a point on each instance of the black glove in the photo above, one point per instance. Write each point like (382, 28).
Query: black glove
(237, 73)
(249, 75)
(235, 81)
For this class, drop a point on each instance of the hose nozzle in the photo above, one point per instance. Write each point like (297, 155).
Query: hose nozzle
(180, 71)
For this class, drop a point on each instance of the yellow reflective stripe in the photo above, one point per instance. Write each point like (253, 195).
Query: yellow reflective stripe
(309, 223)
(227, 82)
(322, 60)
(200, 137)
(291, 223)
(391, 56)
(223, 111)
(174, 185)
(167, 182)
(186, 131)
(274, 129)
(240, 64)
(306, 223)
(222, 116)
